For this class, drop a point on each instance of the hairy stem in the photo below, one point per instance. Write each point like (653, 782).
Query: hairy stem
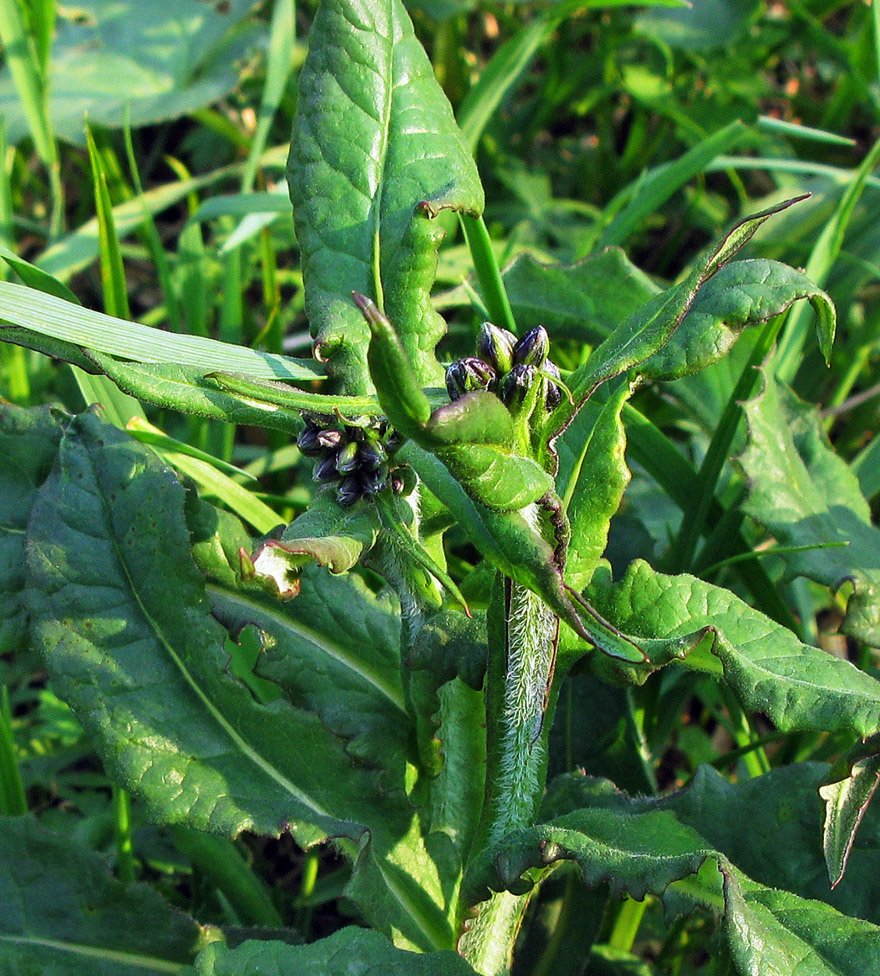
(519, 726)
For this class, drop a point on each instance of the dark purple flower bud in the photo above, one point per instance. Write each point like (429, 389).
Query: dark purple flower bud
(347, 458)
(349, 490)
(495, 346)
(516, 385)
(392, 441)
(325, 470)
(373, 482)
(371, 455)
(553, 396)
(532, 349)
(467, 375)
(307, 441)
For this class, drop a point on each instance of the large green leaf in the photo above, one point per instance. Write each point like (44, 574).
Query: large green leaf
(351, 952)
(345, 667)
(796, 685)
(775, 933)
(120, 614)
(634, 851)
(782, 846)
(638, 848)
(107, 57)
(28, 444)
(807, 496)
(846, 803)
(740, 294)
(64, 914)
(374, 138)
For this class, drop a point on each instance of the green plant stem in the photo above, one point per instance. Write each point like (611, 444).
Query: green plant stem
(125, 866)
(13, 801)
(490, 934)
(626, 925)
(220, 860)
(523, 634)
(488, 274)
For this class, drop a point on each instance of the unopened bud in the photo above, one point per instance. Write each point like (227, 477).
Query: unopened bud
(325, 470)
(373, 482)
(307, 441)
(495, 346)
(516, 385)
(349, 490)
(330, 439)
(532, 349)
(347, 458)
(392, 441)
(467, 375)
(553, 396)
(371, 455)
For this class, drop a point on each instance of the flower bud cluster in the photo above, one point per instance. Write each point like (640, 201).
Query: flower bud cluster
(508, 367)
(356, 456)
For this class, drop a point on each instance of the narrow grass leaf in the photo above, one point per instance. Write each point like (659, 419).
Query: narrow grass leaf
(651, 192)
(46, 315)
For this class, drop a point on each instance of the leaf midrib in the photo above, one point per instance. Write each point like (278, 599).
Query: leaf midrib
(238, 741)
(109, 955)
(334, 650)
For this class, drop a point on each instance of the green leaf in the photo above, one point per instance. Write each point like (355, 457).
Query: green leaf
(644, 332)
(797, 686)
(846, 801)
(524, 551)
(375, 153)
(741, 294)
(612, 840)
(639, 848)
(189, 390)
(47, 316)
(28, 445)
(64, 914)
(587, 300)
(344, 667)
(783, 846)
(35, 277)
(106, 56)
(450, 645)
(119, 611)
(698, 27)
(326, 534)
(596, 486)
(806, 496)
(350, 952)
(775, 933)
